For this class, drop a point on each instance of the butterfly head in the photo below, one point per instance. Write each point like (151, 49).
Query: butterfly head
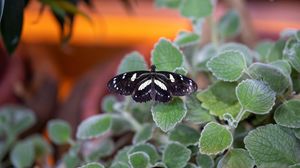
(153, 67)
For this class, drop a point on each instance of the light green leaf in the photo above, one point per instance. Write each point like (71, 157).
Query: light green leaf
(181, 70)
(288, 114)
(122, 155)
(119, 125)
(275, 53)
(168, 3)
(41, 147)
(283, 65)
(133, 61)
(166, 56)
(94, 126)
(220, 98)
(176, 155)
(16, 118)
(119, 165)
(274, 77)
(263, 48)
(270, 145)
(144, 134)
(204, 161)
(108, 103)
(184, 135)
(195, 112)
(291, 52)
(166, 116)
(22, 154)
(228, 65)
(295, 166)
(92, 165)
(185, 38)
(203, 56)
(138, 160)
(297, 132)
(255, 96)
(229, 25)
(71, 160)
(236, 158)
(214, 139)
(195, 9)
(147, 148)
(59, 131)
(105, 148)
(246, 52)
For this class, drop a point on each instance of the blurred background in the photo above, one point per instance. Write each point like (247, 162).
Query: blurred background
(68, 80)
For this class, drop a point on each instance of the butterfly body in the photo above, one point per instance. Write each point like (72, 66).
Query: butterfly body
(154, 85)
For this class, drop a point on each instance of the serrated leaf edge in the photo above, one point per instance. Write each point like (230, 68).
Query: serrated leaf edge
(143, 153)
(284, 103)
(225, 51)
(219, 151)
(248, 109)
(179, 144)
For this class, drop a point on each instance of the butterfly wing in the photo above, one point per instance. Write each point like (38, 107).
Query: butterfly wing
(178, 85)
(142, 92)
(125, 83)
(162, 91)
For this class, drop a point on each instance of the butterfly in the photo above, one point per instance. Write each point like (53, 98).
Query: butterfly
(154, 85)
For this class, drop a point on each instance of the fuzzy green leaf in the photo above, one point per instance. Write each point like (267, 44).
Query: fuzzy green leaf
(122, 155)
(186, 38)
(204, 161)
(119, 165)
(71, 160)
(92, 165)
(236, 158)
(263, 48)
(166, 116)
(94, 126)
(184, 135)
(196, 9)
(228, 65)
(41, 147)
(108, 103)
(59, 131)
(148, 149)
(288, 114)
(274, 77)
(119, 125)
(166, 56)
(220, 98)
(139, 159)
(297, 132)
(195, 112)
(176, 155)
(229, 25)
(16, 118)
(283, 65)
(203, 56)
(255, 96)
(214, 139)
(275, 53)
(144, 134)
(168, 3)
(104, 149)
(22, 154)
(271, 145)
(291, 52)
(133, 61)
(246, 52)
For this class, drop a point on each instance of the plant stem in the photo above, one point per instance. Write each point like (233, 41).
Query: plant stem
(240, 115)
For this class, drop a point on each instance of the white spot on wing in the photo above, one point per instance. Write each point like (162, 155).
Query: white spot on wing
(160, 84)
(171, 78)
(133, 77)
(124, 75)
(145, 84)
(181, 77)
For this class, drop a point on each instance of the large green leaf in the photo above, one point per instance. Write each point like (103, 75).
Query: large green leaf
(108, 103)
(176, 155)
(271, 146)
(255, 96)
(275, 53)
(236, 158)
(184, 135)
(196, 9)
(195, 112)
(59, 131)
(291, 52)
(262, 48)
(166, 116)
(220, 98)
(133, 61)
(283, 65)
(144, 134)
(246, 52)
(274, 77)
(201, 57)
(166, 56)
(11, 23)
(104, 149)
(94, 126)
(214, 139)
(186, 38)
(204, 161)
(288, 114)
(228, 65)
(229, 25)
(40, 145)
(22, 154)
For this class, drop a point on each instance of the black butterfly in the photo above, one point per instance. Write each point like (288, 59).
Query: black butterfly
(152, 85)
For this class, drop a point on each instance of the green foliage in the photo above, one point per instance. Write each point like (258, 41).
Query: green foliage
(139, 159)
(288, 114)
(59, 131)
(92, 165)
(132, 62)
(176, 155)
(184, 135)
(229, 25)
(195, 9)
(236, 158)
(144, 134)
